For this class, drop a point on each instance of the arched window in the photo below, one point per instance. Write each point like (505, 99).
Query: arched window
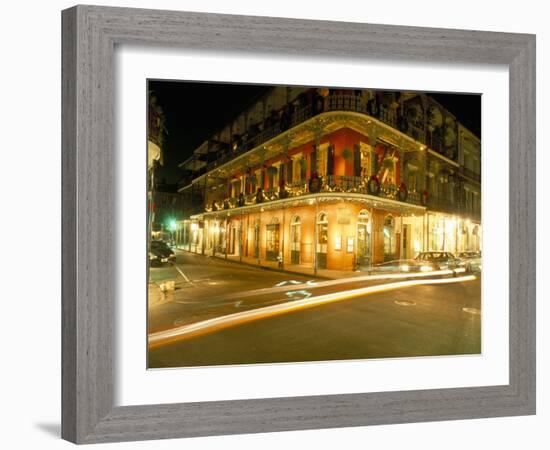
(295, 239)
(322, 240)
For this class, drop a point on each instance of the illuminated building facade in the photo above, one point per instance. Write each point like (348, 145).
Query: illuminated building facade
(336, 179)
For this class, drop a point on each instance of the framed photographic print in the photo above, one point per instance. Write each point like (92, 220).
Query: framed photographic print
(214, 168)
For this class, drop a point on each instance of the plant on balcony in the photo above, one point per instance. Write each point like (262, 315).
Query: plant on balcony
(347, 154)
(373, 186)
(259, 195)
(424, 198)
(315, 183)
(240, 200)
(402, 192)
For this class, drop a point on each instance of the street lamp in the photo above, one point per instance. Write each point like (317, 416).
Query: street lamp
(172, 227)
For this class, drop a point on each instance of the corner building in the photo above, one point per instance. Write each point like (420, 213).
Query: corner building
(335, 179)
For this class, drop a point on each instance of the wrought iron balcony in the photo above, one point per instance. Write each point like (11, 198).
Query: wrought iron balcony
(334, 102)
(331, 183)
(459, 207)
(470, 174)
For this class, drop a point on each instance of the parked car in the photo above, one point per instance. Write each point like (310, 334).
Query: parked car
(155, 258)
(442, 260)
(404, 265)
(471, 261)
(162, 251)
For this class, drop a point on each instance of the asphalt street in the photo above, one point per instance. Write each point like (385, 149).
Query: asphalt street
(423, 320)
(203, 285)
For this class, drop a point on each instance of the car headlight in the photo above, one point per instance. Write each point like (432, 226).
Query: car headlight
(152, 256)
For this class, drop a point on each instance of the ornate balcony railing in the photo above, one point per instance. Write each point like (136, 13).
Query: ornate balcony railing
(331, 183)
(459, 207)
(334, 102)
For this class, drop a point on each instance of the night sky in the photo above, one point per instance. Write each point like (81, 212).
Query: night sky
(194, 111)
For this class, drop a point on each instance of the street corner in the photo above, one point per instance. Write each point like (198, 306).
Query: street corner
(160, 293)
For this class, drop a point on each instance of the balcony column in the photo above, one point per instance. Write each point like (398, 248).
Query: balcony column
(401, 166)
(318, 134)
(313, 160)
(422, 171)
(373, 137)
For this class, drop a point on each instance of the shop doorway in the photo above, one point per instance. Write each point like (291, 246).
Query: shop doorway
(272, 242)
(322, 240)
(295, 238)
(232, 237)
(389, 238)
(257, 240)
(364, 239)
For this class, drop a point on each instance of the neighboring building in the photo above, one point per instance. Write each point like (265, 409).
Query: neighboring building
(155, 138)
(168, 206)
(336, 179)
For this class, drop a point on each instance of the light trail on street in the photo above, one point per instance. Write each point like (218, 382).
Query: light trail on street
(284, 286)
(161, 338)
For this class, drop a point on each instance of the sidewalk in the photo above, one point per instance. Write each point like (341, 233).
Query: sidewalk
(297, 269)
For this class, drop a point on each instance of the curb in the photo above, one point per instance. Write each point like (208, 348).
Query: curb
(273, 269)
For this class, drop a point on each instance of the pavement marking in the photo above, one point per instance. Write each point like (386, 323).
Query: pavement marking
(182, 274)
(208, 326)
(187, 303)
(315, 284)
(404, 303)
(473, 311)
(284, 283)
(301, 293)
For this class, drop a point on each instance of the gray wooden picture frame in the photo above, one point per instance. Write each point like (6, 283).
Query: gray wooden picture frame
(90, 34)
